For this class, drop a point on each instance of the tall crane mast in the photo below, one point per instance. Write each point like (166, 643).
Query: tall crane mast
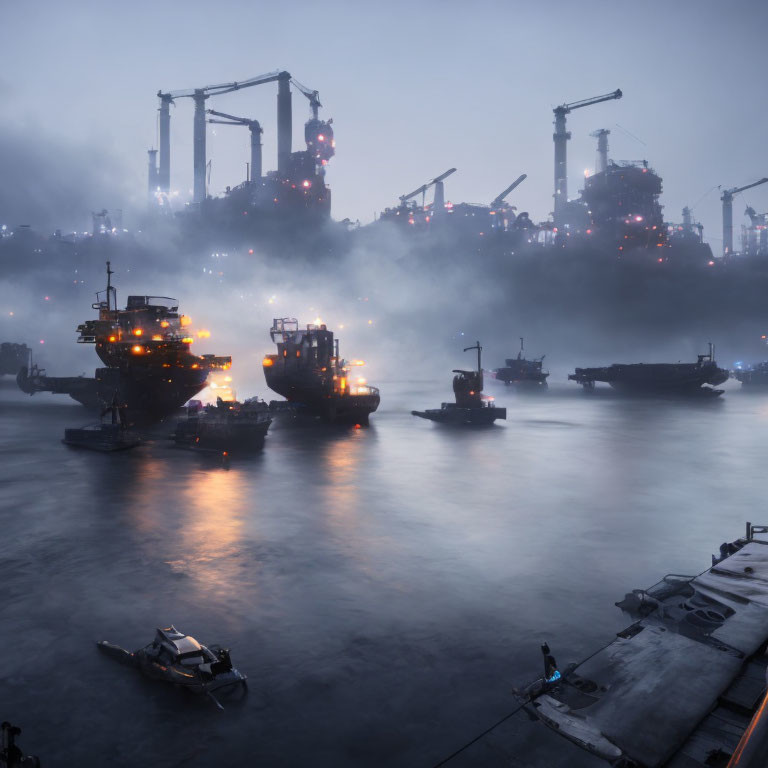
(439, 200)
(255, 128)
(313, 96)
(199, 96)
(499, 199)
(727, 200)
(561, 137)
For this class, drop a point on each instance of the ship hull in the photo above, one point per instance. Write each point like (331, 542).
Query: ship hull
(149, 395)
(308, 394)
(204, 435)
(655, 378)
(450, 413)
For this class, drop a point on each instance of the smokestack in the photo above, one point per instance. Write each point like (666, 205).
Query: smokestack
(152, 174)
(284, 123)
(164, 174)
(602, 150)
(687, 221)
(438, 204)
(560, 137)
(255, 130)
(198, 141)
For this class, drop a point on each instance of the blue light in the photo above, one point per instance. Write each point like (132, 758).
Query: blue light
(554, 677)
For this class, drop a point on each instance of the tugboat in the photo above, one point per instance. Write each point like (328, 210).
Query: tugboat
(114, 436)
(226, 426)
(147, 353)
(311, 375)
(522, 372)
(179, 659)
(658, 378)
(471, 406)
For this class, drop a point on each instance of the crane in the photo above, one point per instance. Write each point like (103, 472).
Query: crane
(255, 128)
(438, 203)
(313, 96)
(499, 199)
(199, 96)
(727, 200)
(561, 137)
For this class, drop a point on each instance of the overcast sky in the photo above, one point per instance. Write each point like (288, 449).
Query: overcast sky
(413, 87)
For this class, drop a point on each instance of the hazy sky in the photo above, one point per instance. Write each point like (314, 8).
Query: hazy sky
(414, 88)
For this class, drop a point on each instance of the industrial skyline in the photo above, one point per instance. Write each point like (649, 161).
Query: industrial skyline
(479, 95)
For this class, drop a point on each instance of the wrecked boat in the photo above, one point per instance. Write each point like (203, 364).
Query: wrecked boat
(684, 685)
(179, 659)
(522, 372)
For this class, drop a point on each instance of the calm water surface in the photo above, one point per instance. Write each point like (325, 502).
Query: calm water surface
(384, 589)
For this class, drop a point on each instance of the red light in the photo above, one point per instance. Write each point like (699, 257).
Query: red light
(306, 184)
(589, 231)
(660, 259)
(320, 137)
(250, 251)
(357, 426)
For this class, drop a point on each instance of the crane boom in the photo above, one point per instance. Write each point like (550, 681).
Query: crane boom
(499, 199)
(424, 187)
(736, 190)
(727, 200)
(215, 90)
(235, 120)
(566, 108)
(313, 96)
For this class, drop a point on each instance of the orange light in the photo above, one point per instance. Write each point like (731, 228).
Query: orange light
(357, 426)
(195, 365)
(203, 334)
(342, 383)
(137, 349)
(113, 338)
(267, 362)
(187, 340)
(298, 353)
(164, 324)
(157, 337)
(185, 320)
(137, 331)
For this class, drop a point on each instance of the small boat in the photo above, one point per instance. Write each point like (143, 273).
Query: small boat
(522, 372)
(114, 436)
(471, 406)
(226, 426)
(179, 659)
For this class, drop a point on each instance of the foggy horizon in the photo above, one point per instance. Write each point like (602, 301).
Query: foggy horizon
(408, 94)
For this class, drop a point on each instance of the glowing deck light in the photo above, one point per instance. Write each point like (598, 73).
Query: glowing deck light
(137, 331)
(357, 362)
(203, 334)
(187, 340)
(638, 218)
(157, 337)
(320, 137)
(267, 362)
(137, 349)
(164, 324)
(185, 320)
(306, 183)
(555, 676)
(113, 338)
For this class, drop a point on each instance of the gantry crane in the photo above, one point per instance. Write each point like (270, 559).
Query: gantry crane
(438, 204)
(199, 96)
(727, 199)
(561, 137)
(499, 199)
(255, 128)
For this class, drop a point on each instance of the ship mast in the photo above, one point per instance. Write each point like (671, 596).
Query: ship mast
(479, 352)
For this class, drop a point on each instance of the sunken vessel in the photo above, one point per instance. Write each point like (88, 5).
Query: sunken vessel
(471, 406)
(311, 375)
(146, 352)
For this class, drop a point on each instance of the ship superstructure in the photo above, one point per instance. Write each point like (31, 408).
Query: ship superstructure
(146, 350)
(307, 370)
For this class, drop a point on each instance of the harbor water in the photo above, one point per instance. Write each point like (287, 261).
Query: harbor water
(383, 588)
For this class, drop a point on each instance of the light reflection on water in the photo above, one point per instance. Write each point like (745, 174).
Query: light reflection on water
(384, 587)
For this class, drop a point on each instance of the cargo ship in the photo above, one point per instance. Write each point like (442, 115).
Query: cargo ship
(753, 375)
(522, 372)
(146, 352)
(309, 373)
(658, 378)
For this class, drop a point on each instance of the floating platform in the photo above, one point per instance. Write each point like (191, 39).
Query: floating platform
(101, 437)
(679, 687)
(450, 413)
